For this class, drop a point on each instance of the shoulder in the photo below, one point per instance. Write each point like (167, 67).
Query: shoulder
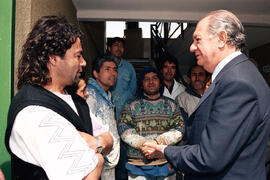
(179, 85)
(134, 99)
(32, 118)
(36, 127)
(183, 95)
(126, 63)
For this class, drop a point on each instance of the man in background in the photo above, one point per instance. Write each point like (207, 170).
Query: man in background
(79, 88)
(104, 76)
(122, 91)
(125, 87)
(169, 73)
(188, 99)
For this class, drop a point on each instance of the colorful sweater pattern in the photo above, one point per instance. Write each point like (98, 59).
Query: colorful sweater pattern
(144, 119)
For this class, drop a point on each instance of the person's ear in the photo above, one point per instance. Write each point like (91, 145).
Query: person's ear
(52, 59)
(222, 39)
(95, 74)
(109, 48)
(188, 80)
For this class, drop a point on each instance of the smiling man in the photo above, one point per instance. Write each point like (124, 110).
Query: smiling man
(170, 73)
(104, 76)
(150, 117)
(231, 123)
(44, 121)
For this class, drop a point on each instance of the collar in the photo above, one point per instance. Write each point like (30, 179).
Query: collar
(172, 88)
(223, 63)
(92, 82)
(146, 97)
(190, 91)
(120, 62)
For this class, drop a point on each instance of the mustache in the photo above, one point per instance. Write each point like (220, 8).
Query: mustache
(118, 51)
(169, 74)
(198, 81)
(113, 78)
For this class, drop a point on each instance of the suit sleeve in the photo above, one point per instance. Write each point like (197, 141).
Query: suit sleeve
(231, 122)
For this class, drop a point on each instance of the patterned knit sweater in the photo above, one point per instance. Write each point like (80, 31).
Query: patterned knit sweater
(145, 119)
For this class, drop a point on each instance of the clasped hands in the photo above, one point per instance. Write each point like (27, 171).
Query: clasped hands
(152, 150)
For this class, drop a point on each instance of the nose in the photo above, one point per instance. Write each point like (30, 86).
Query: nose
(193, 47)
(83, 62)
(151, 80)
(113, 72)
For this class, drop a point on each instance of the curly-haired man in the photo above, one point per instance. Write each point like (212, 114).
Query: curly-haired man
(48, 129)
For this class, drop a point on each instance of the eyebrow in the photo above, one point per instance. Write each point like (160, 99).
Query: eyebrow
(79, 52)
(106, 66)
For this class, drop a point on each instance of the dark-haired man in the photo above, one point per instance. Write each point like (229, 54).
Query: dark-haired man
(169, 73)
(104, 76)
(44, 121)
(123, 90)
(153, 118)
(125, 86)
(188, 99)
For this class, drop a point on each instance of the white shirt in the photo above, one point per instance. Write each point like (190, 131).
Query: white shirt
(42, 137)
(223, 63)
(177, 89)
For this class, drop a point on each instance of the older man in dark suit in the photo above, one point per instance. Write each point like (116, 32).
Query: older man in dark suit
(231, 123)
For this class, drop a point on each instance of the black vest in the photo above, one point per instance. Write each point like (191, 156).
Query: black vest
(36, 95)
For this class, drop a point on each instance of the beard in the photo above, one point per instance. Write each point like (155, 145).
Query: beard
(76, 80)
(198, 85)
(151, 92)
(168, 77)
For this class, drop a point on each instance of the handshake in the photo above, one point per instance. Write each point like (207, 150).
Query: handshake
(152, 150)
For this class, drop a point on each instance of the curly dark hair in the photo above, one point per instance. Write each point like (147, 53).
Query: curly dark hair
(51, 35)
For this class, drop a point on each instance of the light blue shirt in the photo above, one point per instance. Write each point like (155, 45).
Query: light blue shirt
(125, 87)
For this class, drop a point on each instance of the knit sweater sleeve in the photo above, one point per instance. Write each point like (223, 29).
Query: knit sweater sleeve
(127, 131)
(176, 132)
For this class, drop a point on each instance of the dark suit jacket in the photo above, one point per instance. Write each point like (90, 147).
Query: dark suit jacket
(229, 128)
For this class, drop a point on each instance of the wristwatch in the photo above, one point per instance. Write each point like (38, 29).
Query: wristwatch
(99, 145)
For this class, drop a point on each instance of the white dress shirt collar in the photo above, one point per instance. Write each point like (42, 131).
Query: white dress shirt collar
(223, 63)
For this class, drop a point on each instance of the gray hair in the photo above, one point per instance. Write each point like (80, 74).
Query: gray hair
(224, 20)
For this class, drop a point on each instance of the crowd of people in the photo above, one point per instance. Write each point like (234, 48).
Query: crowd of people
(116, 126)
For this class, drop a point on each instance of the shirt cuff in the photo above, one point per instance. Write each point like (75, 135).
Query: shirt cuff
(163, 148)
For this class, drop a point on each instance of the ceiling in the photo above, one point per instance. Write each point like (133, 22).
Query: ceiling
(254, 14)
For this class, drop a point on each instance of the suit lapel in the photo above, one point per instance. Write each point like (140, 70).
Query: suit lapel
(205, 95)
(232, 63)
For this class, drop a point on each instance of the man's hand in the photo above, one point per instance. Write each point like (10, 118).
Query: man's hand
(90, 140)
(147, 151)
(153, 150)
(105, 139)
